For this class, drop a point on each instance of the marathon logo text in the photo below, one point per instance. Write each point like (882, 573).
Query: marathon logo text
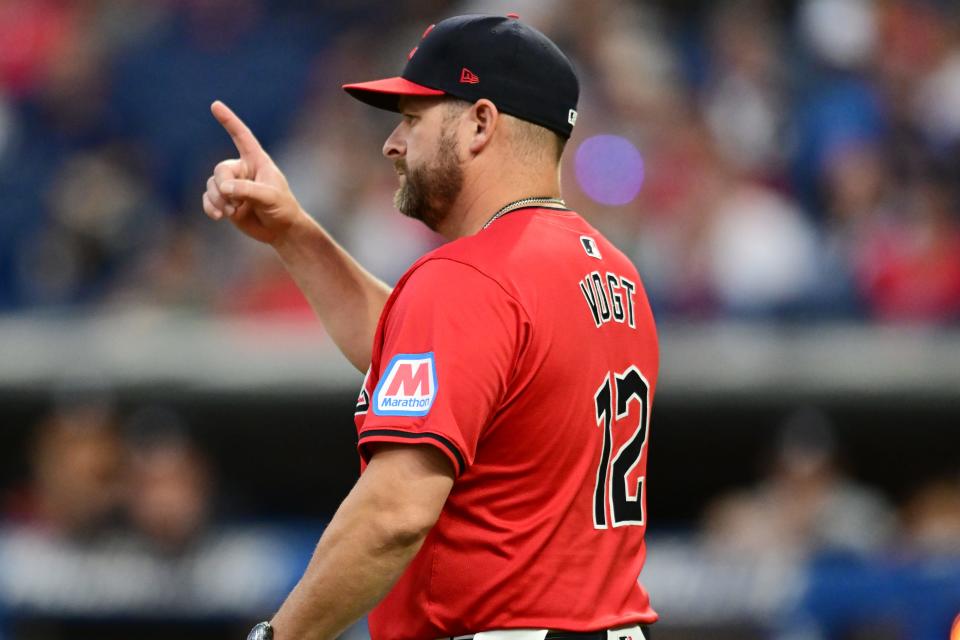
(408, 386)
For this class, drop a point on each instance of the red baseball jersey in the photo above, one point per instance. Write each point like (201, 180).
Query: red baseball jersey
(527, 354)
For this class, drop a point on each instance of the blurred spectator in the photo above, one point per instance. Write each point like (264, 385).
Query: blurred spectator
(803, 505)
(170, 494)
(762, 250)
(684, 178)
(745, 97)
(841, 33)
(101, 217)
(856, 190)
(939, 101)
(33, 38)
(909, 267)
(932, 518)
(76, 487)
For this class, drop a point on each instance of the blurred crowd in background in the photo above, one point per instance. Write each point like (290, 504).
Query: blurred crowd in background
(93, 471)
(757, 159)
(90, 475)
(117, 513)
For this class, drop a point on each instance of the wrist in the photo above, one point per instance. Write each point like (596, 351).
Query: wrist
(291, 240)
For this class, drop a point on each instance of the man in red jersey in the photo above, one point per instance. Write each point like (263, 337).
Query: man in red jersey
(504, 416)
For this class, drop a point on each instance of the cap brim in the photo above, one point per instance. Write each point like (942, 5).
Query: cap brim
(385, 94)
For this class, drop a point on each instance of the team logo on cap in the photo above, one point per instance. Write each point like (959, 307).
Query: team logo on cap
(572, 117)
(414, 50)
(408, 386)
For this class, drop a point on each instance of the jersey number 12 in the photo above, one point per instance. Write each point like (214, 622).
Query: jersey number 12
(614, 407)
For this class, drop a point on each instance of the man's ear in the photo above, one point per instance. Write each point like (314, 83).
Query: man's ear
(483, 119)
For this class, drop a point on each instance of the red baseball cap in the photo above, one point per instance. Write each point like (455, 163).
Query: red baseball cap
(482, 56)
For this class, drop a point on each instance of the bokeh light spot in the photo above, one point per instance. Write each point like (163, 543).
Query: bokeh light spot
(609, 169)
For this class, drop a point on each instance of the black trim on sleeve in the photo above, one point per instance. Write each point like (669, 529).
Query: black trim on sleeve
(397, 433)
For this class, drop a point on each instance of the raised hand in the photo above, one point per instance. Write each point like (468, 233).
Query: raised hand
(250, 191)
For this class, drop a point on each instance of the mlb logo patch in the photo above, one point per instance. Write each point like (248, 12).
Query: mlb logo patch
(408, 386)
(590, 247)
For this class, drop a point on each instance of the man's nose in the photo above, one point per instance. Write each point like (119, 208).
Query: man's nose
(394, 147)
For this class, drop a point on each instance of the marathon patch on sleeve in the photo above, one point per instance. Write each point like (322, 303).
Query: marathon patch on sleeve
(408, 386)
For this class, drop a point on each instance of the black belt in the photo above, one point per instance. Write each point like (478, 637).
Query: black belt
(577, 635)
(590, 635)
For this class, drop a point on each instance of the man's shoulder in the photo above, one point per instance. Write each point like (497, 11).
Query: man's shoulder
(447, 267)
(443, 283)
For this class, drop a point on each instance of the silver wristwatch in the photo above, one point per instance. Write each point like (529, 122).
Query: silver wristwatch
(263, 631)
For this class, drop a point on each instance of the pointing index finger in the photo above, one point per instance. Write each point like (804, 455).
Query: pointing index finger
(246, 143)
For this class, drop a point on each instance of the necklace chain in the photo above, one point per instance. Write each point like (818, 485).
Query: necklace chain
(551, 203)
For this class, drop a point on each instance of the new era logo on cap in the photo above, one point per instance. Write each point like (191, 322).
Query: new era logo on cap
(408, 386)
(468, 77)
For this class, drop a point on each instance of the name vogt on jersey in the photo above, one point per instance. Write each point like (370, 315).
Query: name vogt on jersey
(610, 298)
(408, 386)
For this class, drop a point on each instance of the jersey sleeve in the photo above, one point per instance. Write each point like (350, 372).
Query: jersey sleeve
(451, 341)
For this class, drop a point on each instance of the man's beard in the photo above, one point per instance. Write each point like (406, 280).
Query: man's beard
(428, 192)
